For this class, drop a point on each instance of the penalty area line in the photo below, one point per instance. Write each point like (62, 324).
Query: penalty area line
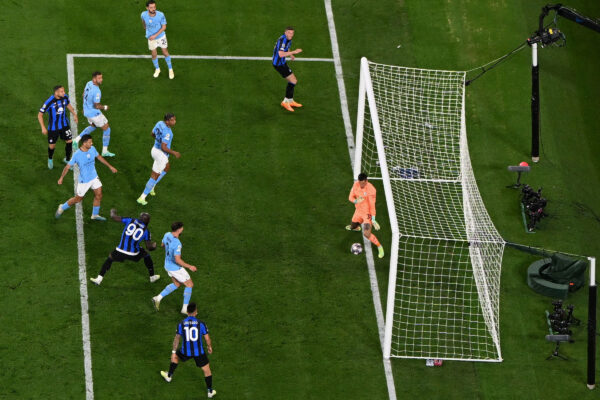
(387, 365)
(83, 293)
(195, 57)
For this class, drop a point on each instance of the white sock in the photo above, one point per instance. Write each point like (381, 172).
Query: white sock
(99, 278)
(143, 196)
(76, 140)
(105, 149)
(159, 297)
(286, 100)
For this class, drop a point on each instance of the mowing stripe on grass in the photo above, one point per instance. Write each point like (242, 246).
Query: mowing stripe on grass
(246, 58)
(387, 366)
(83, 294)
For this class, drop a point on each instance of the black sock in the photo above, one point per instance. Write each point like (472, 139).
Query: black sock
(50, 153)
(149, 264)
(106, 266)
(289, 90)
(172, 369)
(208, 380)
(68, 150)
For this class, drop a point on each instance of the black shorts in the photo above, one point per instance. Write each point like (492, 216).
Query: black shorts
(284, 70)
(201, 360)
(117, 256)
(64, 133)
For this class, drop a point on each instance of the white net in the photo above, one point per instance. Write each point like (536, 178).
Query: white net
(446, 294)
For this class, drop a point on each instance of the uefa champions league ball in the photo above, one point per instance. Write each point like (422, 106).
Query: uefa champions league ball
(356, 248)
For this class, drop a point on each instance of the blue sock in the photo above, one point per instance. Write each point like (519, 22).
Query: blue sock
(155, 62)
(187, 295)
(168, 60)
(160, 177)
(96, 210)
(149, 186)
(168, 290)
(106, 137)
(88, 130)
(65, 206)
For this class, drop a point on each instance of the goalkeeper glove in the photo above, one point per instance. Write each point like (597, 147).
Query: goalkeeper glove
(359, 200)
(375, 224)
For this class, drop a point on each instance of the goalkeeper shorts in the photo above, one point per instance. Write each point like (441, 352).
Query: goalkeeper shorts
(362, 218)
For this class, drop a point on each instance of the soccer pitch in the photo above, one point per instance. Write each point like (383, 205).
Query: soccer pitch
(263, 195)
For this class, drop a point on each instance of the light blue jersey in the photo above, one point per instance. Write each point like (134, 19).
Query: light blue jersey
(91, 95)
(154, 23)
(172, 249)
(162, 134)
(85, 160)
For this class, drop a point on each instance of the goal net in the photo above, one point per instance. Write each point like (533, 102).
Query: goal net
(446, 254)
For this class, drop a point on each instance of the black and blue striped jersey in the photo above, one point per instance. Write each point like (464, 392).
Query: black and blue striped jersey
(57, 112)
(191, 330)
(282, 44)
(134, 232)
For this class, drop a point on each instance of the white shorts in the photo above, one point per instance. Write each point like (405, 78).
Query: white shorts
(98, 121)
(82, 188)
(181, 275)
(160, 160)
(160, 42)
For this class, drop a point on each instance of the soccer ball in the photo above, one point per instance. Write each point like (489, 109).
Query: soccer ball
(356, 248)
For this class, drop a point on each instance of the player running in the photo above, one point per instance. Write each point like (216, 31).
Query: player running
(362, 195)
(175, 267)
(163, 137)
(129, 248)
(192, 330)
(155, 24)
(85, 158)
(91, 110)
(280, 52)
(58, 124)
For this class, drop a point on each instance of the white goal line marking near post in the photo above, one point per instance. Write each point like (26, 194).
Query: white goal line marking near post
(191, 57)
(387, 366)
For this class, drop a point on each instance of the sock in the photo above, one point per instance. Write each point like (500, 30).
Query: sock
(172, 369)
(155, 62)
(374, 240)
(86, 131)
(208, 380)
(68, 150)
(187, 295)
(160, 177)
(149, 185)
(168, 60)
(50, 153)
(167, 290)
(149, 264)
(65, 206)
(95, 210)
(289, 90)
(106, 139)
(106, 266)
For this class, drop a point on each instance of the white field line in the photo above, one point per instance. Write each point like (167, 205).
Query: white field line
(83, 293)
(241, 58)
(387, 366)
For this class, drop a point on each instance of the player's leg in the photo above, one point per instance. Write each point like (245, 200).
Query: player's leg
(154, 57)
(68, 204)
(202, 362)
(289, 90)
(65, 134)
(168, 60)
(162, 175)
(52, 138)
(143, 254)
(187, 294)
(369, 235)
(148, 188)
(106, 141)
(87, 131)
(97, 188)
(160, 164)
(170, 288)
(174, 362)
(357, 220)
(112, 257)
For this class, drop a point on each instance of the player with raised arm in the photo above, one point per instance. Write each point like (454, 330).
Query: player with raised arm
(192, 330)
(363, 196)
(58, 124)
(155, 24)
(163, 137)
(175, 267)
(85, 159)
(129, 248)
(280, 52)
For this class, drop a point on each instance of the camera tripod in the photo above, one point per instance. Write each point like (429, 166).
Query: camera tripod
(558, 339)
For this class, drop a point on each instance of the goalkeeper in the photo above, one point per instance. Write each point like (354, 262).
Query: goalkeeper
(363, 195)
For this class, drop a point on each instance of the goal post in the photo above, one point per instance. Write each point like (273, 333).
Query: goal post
(446, 254)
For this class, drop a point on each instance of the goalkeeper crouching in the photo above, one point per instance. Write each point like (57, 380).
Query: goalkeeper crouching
(363, 196)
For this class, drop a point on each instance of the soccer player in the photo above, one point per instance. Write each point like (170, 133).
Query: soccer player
(175, 267)
(192, 330)
(85, 158)
(91, 110)
(58, 123)
(280, 52)
(163, 137)
(155, 24)
(129, 248)
(362, 195)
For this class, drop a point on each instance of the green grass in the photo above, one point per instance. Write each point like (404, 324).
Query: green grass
(263, 195)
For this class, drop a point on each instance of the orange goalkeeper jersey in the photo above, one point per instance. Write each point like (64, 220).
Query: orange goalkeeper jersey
(368, 193)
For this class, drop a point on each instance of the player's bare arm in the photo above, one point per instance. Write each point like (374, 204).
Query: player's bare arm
(114, 216)
(183, 264)
(64, 172)
(175, 345)
(289, 53)
(208, 343)
(100, 106)
(41, 121)
(73, 113)
(163, 147)
(161, 30)
(103, 161)
(150, 245)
